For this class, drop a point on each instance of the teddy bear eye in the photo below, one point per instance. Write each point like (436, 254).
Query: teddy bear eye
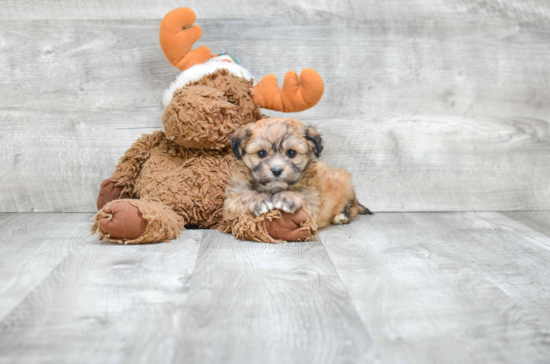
(291, 153)
(262, 154)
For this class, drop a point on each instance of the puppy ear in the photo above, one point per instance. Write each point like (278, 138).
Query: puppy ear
(238, 140)
(314, 139)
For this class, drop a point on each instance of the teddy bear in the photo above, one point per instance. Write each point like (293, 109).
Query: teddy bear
(176, 178)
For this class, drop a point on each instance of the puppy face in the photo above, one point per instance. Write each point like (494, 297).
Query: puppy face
(276, 151)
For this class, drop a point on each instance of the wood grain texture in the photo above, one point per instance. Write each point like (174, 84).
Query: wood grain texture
(210, 301)
(372, 69)
(393, 288)
(55, 161)
(440, 115)
(505, 252)
(104, 303)
(445, 287)
(269, 303)
(398, 164)
(526, 258)
(441, 164)
(4, 215)
(526, 10)
(536, 220)
(31, 247)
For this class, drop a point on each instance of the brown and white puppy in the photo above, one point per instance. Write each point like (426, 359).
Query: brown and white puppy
(277, 168)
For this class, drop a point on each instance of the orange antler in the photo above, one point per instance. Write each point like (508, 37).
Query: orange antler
(298, 93)
(177, 34)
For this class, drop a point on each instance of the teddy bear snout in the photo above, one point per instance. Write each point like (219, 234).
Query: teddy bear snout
(198, 118)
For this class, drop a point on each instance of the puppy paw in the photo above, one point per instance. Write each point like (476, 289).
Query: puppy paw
(340, 219)
(260, 204)
(287, 201)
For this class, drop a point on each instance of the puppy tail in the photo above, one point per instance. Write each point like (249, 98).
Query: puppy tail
(362, 210)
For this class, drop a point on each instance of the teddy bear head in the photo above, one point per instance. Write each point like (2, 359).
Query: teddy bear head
(214, 95)
(205, 113)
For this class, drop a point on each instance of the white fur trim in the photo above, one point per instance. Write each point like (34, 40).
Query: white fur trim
(198, 71)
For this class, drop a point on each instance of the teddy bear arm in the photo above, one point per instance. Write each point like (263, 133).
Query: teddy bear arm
(129, 166)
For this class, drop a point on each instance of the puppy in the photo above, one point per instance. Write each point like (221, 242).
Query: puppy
(277, 168)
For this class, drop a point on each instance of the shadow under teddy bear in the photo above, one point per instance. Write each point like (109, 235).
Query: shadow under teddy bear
(176, 178)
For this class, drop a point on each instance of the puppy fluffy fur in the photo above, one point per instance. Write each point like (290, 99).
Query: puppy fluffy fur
(277, 168)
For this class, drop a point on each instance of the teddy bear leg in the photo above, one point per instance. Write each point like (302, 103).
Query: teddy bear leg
(109, 192)
(290, 227)
(137, 221)
(273, 227)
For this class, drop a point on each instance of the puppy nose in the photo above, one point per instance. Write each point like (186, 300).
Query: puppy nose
(276, 171)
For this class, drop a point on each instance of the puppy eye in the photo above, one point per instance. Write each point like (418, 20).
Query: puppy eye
(291, 153)
(262, 154)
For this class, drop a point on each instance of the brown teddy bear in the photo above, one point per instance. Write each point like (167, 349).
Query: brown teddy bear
(177, 178)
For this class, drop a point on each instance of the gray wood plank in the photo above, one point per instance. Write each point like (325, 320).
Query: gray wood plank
(527, 10)
(443, 163)
(4, 216)
(536, 220)
(56, 161)
(242, 302)
(263, 303)
(31, 247)
(372, 69)
(507, 253)
(415, 287)
(105, 303)
(536, 237)
(431, 288)
(523, 267)
(398, 164)
(82, 65)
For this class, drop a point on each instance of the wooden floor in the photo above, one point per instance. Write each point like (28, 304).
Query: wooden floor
(392, 288)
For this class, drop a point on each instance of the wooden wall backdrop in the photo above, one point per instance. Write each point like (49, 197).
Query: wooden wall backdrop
(433, 105)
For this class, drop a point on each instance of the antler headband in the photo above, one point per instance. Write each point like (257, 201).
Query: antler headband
(177, 35)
